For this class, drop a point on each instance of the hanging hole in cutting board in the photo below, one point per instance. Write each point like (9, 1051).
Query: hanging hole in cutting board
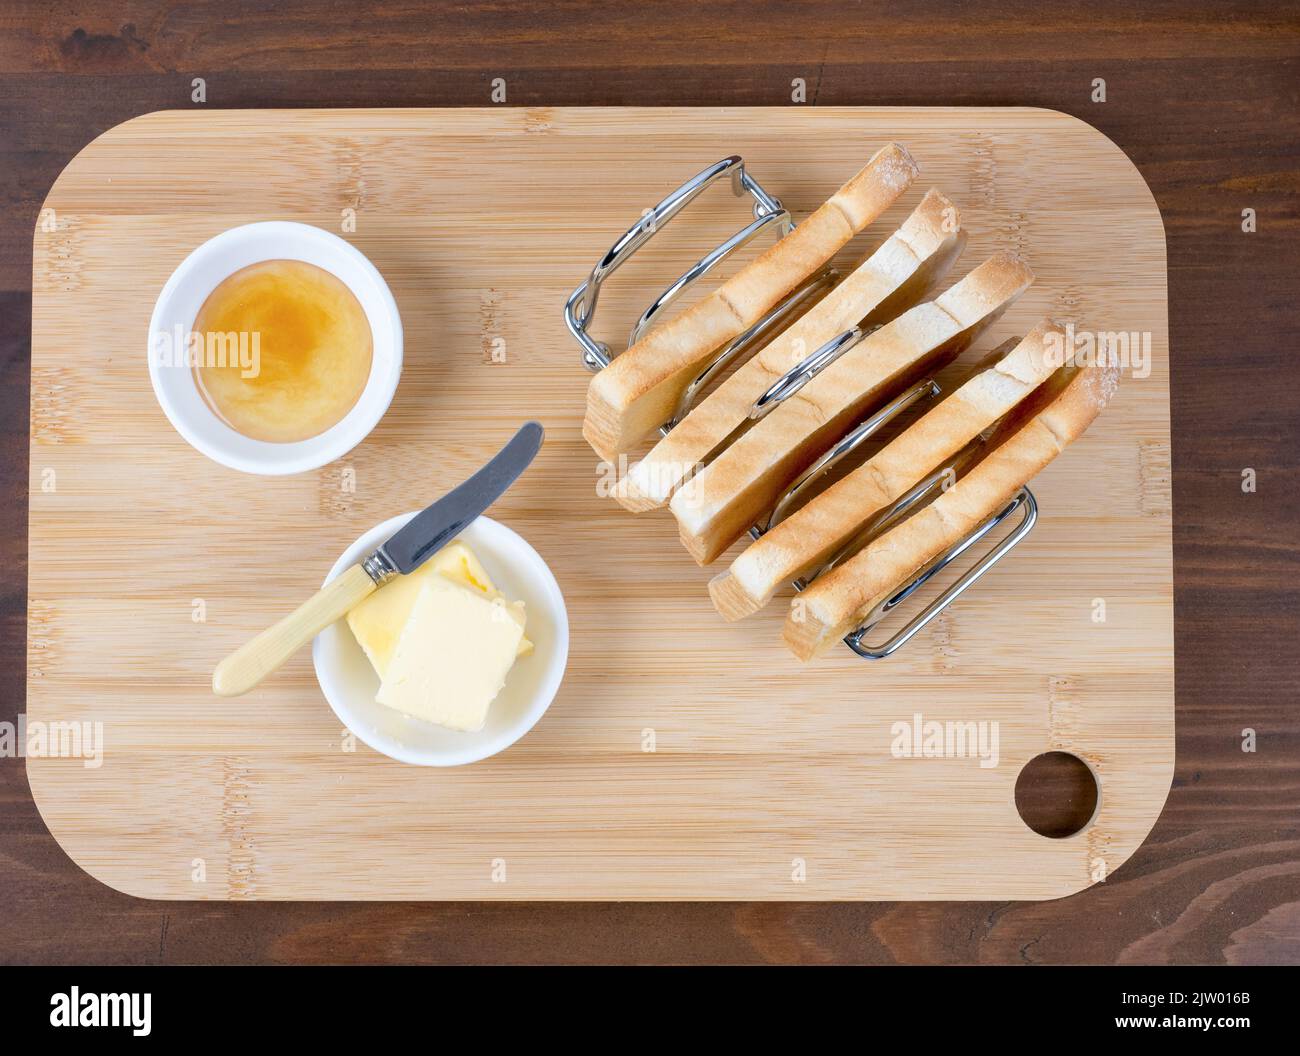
(1056, 794)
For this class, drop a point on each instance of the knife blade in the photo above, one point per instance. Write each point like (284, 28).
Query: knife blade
(405, 551)
(426, 532)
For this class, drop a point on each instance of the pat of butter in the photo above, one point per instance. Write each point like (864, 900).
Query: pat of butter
(378, 621)
(452, 657)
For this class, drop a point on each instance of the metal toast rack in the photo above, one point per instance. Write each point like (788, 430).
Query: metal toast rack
(580, 309)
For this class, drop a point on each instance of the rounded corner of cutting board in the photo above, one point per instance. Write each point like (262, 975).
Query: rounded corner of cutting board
(95, 144)
(1139, 829)
(67, 844)
(1146, 825)
(1119, 152)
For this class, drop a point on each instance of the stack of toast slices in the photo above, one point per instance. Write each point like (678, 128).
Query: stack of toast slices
(724, 466)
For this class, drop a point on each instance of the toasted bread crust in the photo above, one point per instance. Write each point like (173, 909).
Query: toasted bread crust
(813, 534)
(892, 279)
(718, 504)
(639, 389)
(839, 600)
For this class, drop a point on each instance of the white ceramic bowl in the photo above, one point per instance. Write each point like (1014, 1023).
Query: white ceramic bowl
(350, 683)
(178, 306)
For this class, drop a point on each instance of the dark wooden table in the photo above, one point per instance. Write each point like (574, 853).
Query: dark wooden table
(1205, 98)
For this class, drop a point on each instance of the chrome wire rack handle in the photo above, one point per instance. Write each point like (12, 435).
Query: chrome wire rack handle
(1023, 500)
(581, 305)
(580, 309)
(702, 267)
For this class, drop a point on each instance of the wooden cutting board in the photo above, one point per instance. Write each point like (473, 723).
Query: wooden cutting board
(683, 758)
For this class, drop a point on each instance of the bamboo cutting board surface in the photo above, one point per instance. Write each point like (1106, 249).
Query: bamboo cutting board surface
(767, 779)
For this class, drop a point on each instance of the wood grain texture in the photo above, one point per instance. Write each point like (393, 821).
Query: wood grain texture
(768, 780)
(265, 654)
(1210, 118)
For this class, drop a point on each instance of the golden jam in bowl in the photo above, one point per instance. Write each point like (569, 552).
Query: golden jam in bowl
(285, 350)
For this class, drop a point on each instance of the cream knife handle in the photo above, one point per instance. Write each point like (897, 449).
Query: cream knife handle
(254, 660)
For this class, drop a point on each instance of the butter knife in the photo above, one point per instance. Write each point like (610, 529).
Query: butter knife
(420, 538)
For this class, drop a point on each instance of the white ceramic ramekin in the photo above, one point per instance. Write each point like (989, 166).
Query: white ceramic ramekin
(350, 683)
(179, 303)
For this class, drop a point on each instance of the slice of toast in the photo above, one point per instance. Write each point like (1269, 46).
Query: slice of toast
(1031, 436)
(896, 276)
(718, 504)
(640, 388)
(815, 533)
